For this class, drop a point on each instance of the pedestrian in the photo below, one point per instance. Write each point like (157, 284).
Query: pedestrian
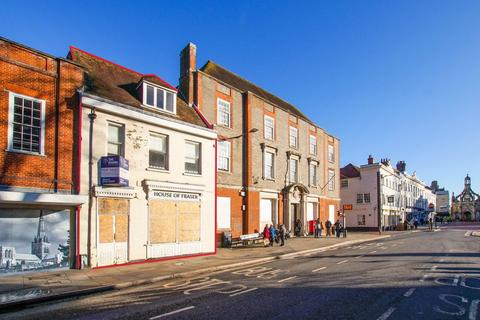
(338, 227)
(273, 234)
(430, 224)
(318, 228)
(283, 233)
(298, 228)
(405, 225)
(415, 223)
(328, 228)
(266, 236)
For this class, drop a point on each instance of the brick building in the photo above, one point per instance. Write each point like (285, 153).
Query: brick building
(274, 164)
(39, 173)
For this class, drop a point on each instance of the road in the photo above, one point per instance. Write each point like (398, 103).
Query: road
(422, 275)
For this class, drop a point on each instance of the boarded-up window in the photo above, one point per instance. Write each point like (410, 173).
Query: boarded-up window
(188, 221)
(163, 221)
(113, 220)
(174, 221)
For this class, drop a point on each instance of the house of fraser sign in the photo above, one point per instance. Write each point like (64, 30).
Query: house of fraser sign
(175, 196)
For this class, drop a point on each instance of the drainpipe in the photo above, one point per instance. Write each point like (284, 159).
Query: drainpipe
(92, 116)
(57, 114)
(379, 203)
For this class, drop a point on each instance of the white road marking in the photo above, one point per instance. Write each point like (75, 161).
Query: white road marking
(170, 313)
(357, 257)
(441, 260)
(242, 292)
(319, 269)
(409, 292)
(425, 276)
(343, 261)
(373, 251)
(434, 268)
(394, 245)
(386, 314)
(468, 233)
(472, 314)
(383, 248)
(286, 279)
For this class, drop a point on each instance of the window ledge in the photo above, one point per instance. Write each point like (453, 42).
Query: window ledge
(269, 179)
(26, 152)
(192, 174)
(158, 170)
(224, 172)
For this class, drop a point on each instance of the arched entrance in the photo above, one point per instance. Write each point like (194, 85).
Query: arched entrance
(294, 207)
(467, 216)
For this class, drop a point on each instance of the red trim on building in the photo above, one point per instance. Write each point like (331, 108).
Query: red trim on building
(216, 181)
(203, 117)
(157, 260)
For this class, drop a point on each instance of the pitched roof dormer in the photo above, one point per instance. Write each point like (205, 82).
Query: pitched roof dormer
(156, 93)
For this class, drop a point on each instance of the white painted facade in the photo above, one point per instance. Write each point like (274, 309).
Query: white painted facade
(148, 187)
(402, 196)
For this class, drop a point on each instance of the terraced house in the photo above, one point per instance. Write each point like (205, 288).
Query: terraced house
(275, 165)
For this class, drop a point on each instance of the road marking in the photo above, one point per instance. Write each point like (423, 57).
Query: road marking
(357, 257)
(394, 245)
(386, 314)
(383, 248)
(409, 292)
(472, 314)
(286, 279)
(173, 312)
(242, 292)
(343, 261)
(319, 269)
(434, 268)
(425, 276)
(441, 260)
(373, 251)
(468, 233)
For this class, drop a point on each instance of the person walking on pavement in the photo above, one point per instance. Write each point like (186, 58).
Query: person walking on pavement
(266, 236)
(298, 228)
(430, 224)
(273, 234)
(415, 223)
(328, 227)
(318, 228)
(338, 228)
(283, 234)
(405, 225)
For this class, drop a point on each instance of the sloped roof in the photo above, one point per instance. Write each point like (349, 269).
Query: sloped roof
(236, 81)
(109, 80)
(349, 171)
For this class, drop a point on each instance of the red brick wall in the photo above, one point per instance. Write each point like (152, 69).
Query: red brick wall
(253, 212)
(235, 211)
(33, 74)
(323, 206)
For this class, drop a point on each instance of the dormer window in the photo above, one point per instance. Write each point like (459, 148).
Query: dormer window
(160, 98)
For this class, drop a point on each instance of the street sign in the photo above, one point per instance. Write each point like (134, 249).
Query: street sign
(347, 207)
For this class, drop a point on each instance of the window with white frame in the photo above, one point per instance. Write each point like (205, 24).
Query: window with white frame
(26, 124)
(293, 137)
(159, 98)
(313, 145)
(192, 157)
(293, 169)
(366, 197)
(116, 139)
(223, 162)
(269, 164)
(359, 197)
(223, 113)
(312, 174)
(331, 180)
(331, 153)
(344, 183)
(360, 219)
(269, 124)
(158, 151)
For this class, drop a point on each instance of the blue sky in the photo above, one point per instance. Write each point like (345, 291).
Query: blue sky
(396, 79)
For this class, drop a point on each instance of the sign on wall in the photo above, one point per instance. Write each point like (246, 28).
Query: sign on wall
(347, 207)
(175, 196)
(114, 171)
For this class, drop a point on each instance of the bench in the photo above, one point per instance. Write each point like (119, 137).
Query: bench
(247, 240)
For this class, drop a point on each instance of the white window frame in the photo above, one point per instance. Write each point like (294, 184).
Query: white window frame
(11, 103)
(199, 172)
(331, 153)
(265, 120)
(331, 180)
(359, 198)
(272, 177)
(229, 158)
(293, 143)
(315, 167)
(290, 170)
(167, 147)
(117, 124)
(366, 196)
(165, 91)
(229, 125)
(313, 143)
(344, 183)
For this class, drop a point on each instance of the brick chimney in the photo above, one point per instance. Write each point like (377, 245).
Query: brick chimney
(370, 159)
(188, 65)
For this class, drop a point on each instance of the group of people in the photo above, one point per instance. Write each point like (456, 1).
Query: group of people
(272, 235)
(335, 229)
(279, 234)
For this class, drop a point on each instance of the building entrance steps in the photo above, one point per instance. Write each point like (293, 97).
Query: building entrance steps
(20, 290)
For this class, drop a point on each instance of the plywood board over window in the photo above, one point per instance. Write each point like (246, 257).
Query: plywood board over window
(163, 221)
(188, 221)
(113, 219)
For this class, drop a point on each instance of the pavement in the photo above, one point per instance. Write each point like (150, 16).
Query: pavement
(409, 275)
(20, 290)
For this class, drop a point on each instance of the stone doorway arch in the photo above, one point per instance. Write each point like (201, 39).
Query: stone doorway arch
(294, 205)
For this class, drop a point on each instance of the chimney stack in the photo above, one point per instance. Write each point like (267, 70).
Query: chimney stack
(401, 166)
(188, 65)
(370, 159)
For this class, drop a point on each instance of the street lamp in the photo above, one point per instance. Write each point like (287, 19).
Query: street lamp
(253, 130)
